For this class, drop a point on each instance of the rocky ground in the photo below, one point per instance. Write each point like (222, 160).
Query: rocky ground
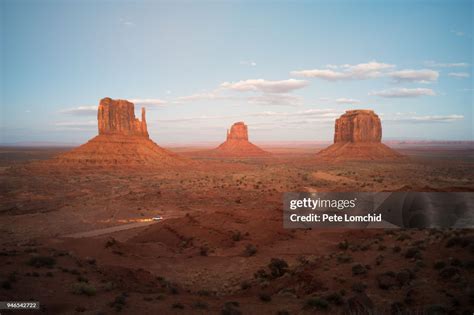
(221, 248)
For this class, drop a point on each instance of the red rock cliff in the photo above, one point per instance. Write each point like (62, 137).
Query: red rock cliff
(238, 131)
(238, 144)
(358, 126)
(117, 117)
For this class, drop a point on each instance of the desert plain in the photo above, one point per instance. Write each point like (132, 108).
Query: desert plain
(221, 247)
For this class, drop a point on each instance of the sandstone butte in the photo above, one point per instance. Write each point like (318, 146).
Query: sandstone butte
(123, 140)
(238, 144)
(358, 136)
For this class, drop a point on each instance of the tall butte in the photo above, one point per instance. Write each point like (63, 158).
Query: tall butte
(122, 140)
(238, 144)
(358, 136)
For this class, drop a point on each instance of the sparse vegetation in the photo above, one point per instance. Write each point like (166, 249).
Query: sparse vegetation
(359, 269)
(264, 297)
(317, 303)
(203, 250)
(231, 308)
(42, 261)
(344, 245)
(110, 242)
(119, 302)
(200, 305)
(236, 236)
(84, 288)
(278, 267)
(250, 250)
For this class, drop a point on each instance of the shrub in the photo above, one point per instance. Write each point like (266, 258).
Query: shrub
(317, 302)
(344, 245)
(264, 297)
(203, 250)
(358, 269)
(397, 249)
(110, 242)
(335, 298)
(236, 236)
(119, 302)
(83, 288)
(250, 250)
(201, 305)
(245, 285)
(413, 252)
(42, 261)
(178, 306)
(231, 308)
(278, 267)
(344, 258)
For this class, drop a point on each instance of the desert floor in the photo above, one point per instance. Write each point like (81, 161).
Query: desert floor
(221, 248)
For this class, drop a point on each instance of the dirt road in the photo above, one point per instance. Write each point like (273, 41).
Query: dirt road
(112, 229)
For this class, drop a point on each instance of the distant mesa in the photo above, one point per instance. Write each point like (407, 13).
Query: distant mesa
(122, 140)
(238, 144)
(358, 136)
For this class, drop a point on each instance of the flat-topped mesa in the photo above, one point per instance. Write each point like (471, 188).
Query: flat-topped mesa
(358, 125)
(117, 117)
(238, 131)
(358, 136)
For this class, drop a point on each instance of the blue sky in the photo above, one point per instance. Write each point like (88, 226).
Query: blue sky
(287, 69)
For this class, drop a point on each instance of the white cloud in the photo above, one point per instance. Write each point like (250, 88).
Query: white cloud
(325, 113)
(403, 92)
(458, 33)
(81, 111)
(459, 74)
(265, 86)
(205, 96)
(126, 22)
(431, 63)
(196, 118)
(276, 99)
(344, 100)
(76, 125)
(360, 71)
(281, 99)
(423, 76)
(425, 119)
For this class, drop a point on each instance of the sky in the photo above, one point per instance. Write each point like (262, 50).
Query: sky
(286, 68)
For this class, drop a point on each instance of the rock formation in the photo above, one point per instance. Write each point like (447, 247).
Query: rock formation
(117, 117)
(358, 136)
(123, 140)
(358, 126)
(237, 143)
(238, 131)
